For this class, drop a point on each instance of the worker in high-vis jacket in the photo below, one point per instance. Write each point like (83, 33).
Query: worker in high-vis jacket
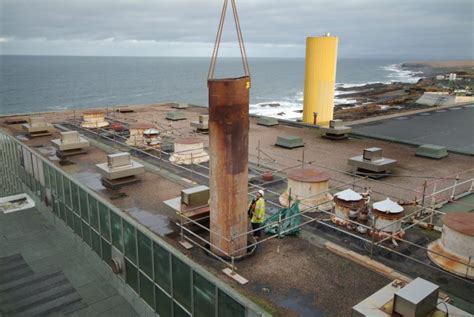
(257, 213)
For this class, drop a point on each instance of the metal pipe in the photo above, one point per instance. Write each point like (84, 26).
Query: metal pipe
(228, 149)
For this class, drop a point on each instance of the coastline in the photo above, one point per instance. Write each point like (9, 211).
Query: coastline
(407, 83)
(382, 99)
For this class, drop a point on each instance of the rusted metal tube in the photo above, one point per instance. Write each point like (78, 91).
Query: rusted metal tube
(228, 149)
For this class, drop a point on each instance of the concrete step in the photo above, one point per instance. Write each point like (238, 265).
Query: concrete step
(19, 304)
(50, 307)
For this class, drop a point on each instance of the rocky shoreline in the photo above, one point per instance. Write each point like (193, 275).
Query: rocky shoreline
(381, 99)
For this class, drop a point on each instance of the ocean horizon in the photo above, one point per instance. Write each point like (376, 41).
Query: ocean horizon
(55, 83)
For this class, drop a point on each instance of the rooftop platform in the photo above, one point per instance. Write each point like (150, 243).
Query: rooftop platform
(450, 127)
(325, 282)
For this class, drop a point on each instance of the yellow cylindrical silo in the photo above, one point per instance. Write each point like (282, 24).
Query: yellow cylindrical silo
(320, 78)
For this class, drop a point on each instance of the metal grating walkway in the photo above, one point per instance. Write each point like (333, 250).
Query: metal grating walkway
(26, 293)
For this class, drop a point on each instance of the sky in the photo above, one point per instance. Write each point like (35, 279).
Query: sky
(415, 29)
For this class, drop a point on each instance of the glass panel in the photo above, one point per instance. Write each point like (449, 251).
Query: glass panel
(116, 222)
(106, 252)
(146, 290)
(55, 207)
(95, 242)
(86, 233)
(131, 274)
(178, 311)
(62, 211)
(163, 302)
(54, 188)
(75, 198)
(181, 282)
(69, 217)
(144, 254)
(104, 221)
(46, 175)
(130, 240)
(67, 191)
(59, 185)
(204, 297)
(162, 267)
(77, 225)
(229, 307)
(84, 203)
(94, 217)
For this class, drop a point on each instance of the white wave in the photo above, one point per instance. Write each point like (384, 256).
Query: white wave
(58, 108)
(290, 107)
(401, 75)
(342, 93)
(353, 85)
(285, 110)
(341, 101)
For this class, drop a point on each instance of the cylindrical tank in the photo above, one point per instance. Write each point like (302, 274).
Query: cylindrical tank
(388, 215)
(309, 186)
(137, 131)
(320, 78)
(345, 203)
(151, 137)
(228, 148)
(94, 119)
(454, 251)
(189, 151)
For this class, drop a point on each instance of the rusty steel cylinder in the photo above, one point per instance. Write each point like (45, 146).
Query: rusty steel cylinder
(228, 149)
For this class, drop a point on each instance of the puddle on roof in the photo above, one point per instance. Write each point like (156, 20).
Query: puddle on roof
(294, 300)
(157, 223)
(22, 137)
(300, 303)
(47, 150)
(90, 179)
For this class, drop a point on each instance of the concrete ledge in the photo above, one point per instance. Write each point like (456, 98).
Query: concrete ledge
(83, 143)
(432, 151)
(120, 172)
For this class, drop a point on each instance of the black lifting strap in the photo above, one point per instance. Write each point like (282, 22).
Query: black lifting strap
(215, 52)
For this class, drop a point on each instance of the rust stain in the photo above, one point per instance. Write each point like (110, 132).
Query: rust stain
(309, 175)
(228, 149)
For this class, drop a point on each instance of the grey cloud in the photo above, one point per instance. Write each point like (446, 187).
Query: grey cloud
(366, 27)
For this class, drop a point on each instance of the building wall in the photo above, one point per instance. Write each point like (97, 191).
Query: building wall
(167, 282)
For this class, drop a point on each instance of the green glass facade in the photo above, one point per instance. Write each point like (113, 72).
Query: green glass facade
(165, 279)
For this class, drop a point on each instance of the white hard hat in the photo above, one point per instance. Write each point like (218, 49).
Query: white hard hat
(261, 192)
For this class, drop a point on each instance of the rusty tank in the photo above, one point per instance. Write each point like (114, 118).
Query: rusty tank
(228, 149)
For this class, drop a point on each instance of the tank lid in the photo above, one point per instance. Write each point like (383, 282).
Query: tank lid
(93, 112)
(151, 131)
(141, 125)
(462, 222)
(348, 195)
(189, 140)
(308, 175)
(387, 206)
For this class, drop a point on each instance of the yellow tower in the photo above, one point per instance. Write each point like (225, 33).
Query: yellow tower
(320, 78)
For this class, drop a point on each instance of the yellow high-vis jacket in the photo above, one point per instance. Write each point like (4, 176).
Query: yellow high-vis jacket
(259, 213)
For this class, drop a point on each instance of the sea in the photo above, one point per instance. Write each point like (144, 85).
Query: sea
(55, 83)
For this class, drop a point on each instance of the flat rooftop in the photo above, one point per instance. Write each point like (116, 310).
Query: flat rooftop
(451, 127)
(42, 273)
(319, 282)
